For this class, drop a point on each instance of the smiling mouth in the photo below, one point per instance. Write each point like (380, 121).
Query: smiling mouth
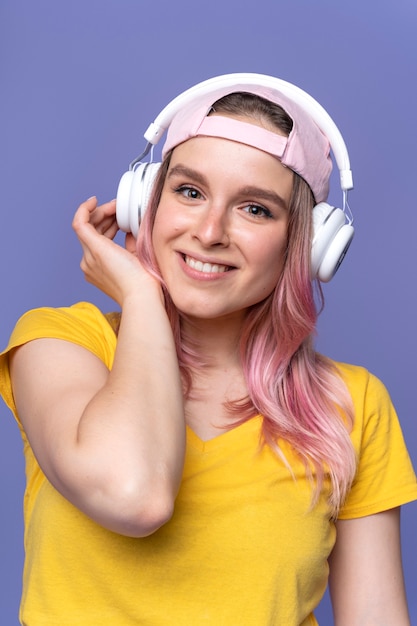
(207, 268)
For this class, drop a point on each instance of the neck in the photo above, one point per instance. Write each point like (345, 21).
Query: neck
(216, 340)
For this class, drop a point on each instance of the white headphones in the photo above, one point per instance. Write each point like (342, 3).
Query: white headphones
(333, 229)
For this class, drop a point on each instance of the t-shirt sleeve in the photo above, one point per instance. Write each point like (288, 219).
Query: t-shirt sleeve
(385, 477)
(82, 324)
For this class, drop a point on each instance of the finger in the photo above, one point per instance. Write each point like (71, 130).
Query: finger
(84, 211)
(110, 230)
(101, 218)
(106, 211)
(104, 223)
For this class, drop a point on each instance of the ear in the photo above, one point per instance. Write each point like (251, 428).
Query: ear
(130, 243)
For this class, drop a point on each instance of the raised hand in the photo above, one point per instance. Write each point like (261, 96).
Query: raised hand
(113, 269)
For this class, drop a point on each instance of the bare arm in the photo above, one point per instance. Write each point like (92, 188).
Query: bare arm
(366, 577)
(110, 442)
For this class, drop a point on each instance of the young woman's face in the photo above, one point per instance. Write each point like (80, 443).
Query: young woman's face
(221, 226)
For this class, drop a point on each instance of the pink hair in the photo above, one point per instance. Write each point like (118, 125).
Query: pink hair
(299, 393)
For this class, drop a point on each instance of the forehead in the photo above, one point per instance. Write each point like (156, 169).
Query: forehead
(222, 164)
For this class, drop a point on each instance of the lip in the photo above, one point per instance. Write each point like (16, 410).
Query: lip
(196, 268)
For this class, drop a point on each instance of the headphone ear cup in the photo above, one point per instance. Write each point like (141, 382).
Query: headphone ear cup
(133, 195)
(122, 201)
(331, 240)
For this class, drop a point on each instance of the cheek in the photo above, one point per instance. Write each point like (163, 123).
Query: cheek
(269, 251)
(168, 226)
(270, 265)
(162, 226)
(168, 221)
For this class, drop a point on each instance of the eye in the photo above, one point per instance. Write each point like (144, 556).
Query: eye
(188, 192)
(257, 210)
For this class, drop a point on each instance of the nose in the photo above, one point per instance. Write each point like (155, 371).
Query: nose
(212, 226)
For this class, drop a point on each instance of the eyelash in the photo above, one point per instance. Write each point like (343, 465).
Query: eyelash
(184, 189)
(187, 188)
(265, 212)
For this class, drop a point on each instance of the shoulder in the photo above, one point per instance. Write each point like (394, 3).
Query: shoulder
(81, 323)
(369, 394)
(64, 318)
(385, 477)
(373, 409)
(357, 378)
(73, 322)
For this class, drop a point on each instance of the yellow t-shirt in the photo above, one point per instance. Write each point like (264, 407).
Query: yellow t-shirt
(242, 547)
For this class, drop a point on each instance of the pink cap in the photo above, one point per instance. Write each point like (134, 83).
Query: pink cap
(306, 150)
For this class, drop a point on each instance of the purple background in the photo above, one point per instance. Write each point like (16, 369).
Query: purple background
(81, 80)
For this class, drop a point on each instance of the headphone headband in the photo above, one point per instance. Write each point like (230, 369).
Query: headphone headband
(332, 227)
(221, 85)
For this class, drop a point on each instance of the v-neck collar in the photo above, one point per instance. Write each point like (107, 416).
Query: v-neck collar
(224, 438)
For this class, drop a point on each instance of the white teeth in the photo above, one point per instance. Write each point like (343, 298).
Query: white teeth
(207, 268)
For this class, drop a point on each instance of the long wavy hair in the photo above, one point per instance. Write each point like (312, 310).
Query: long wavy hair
(299, 393)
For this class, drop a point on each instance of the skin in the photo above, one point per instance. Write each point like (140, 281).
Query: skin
(221, 218)
(366, 576)
(113, 442)
(208, 212)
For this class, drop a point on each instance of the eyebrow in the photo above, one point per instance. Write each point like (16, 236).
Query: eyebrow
(264, 194)
(247, 190)
(182, 170)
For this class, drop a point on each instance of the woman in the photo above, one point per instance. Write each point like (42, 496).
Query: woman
(194, 460)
